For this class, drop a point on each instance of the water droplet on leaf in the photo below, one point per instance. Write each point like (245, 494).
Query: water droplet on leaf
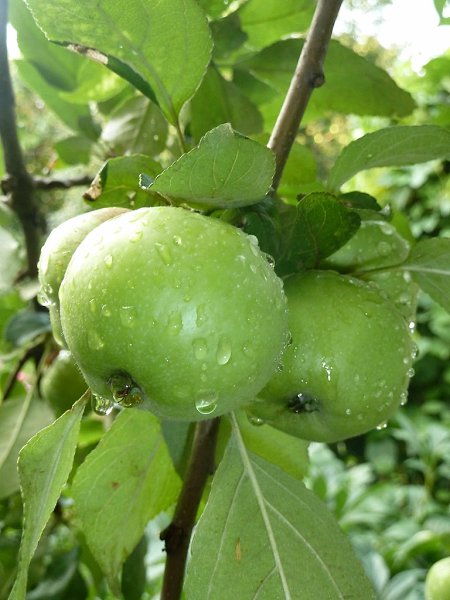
(101, 406)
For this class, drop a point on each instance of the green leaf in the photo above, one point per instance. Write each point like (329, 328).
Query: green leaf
(272, 538)
(44, 466)
(287, 452)
(393, 146)
(314, 229)
(26, 325)
(429, 265)
(74, 150)
(220, 101)
(353, 84)
(20, 419)
(117, 182)
(225, 170)
(299, 173)
(162, 48)
(11, 244)
(227, 35)
(134, 480)
(137, 126)
(266, 21)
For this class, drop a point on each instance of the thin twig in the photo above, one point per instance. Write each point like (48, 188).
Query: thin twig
(22, 198)
(178, 534)
(308, 75)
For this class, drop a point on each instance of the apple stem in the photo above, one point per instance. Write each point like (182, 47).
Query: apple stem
(178, 534)
(308, 75)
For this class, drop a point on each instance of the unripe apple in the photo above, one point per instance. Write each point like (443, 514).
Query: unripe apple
(348, 366)
(62, 383)
(437, 582)
(174, 310)
(56, 254)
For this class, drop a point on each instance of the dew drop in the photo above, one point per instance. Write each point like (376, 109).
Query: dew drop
(254, 420)
(124, 390)
(44, 296)
(108, 260)
(92, 305)
(412, 326)
(101, 406)
(403, 398)
(94, 340)
(201, 314)
(105, 311)
(174, 323)
(177, 240)
(384, 248)
(248, 350)
(270, 259)
(207, 404)
(382, 426)
(348, 411)
(164, 253)
(127, 316)
(136, 235)
(200, 348)
(410, 372)
(223, 353)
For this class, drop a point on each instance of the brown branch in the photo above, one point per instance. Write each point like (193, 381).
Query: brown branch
(22, 199)
(178, 534)
(308, 75)
(48, 183)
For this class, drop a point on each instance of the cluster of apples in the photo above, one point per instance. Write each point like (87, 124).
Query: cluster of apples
(183, 314)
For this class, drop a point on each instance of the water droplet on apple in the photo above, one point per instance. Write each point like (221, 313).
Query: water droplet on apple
(108, 260)
(200, 348)
(348, 411)
(136, 235)
(164, 253)
(175, 323)
(207, 403)
(105, 311)
(101, 406)
(224, 350)
(177, 240)
(94, 340)
(127, 315)
(410, 372)
(124, 390)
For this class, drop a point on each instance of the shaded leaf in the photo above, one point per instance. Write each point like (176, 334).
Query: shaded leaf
(44, 466)
(393, 146)
(74, 150)
(429, 266)
(20, 419)
(137, 126)
(314, 229)
(134, 480)
(26, 326)
(272, 538)
(353, 84)
(299, 173)
(225, 170)
(162, 48)
(117, 182)
(220, 101)
(227, 35)
(265, 21)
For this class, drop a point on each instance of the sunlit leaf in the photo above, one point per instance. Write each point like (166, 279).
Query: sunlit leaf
(393, 146)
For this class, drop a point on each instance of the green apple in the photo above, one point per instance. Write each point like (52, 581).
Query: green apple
(62, 383)
(348, 366)
(174, 310)
(437, 582)
(56, 254)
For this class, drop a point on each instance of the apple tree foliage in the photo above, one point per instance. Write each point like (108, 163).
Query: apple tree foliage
(168, 104)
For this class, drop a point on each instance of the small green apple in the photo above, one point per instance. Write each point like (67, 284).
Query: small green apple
(62, 383)
(175, 309)
(56, 254)
(348, 366)
(437, 582)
